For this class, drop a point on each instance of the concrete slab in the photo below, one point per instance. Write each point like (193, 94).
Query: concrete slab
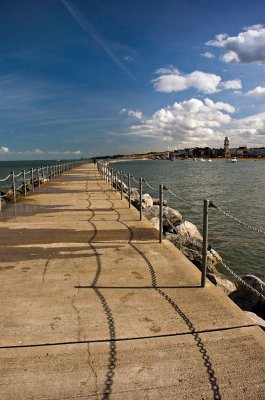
(206, 366)
(92, 306)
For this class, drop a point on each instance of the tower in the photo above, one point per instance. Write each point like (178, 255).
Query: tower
(226, 147)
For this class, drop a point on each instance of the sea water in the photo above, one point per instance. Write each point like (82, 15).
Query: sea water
(238, 189)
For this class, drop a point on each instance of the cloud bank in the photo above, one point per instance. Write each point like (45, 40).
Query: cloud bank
(190, 122)
(247, 47)
(258, 92)
(172, 80)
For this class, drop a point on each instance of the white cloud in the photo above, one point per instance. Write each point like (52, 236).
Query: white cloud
(67, 152)
(171, 80)
(132, 113)
(38, 151)
(258, 92)
(208, 54)
(233, 84)
(247, 47)
(191, 122)
(4, 150)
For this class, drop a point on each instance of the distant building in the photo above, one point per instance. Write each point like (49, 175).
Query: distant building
(227, 153)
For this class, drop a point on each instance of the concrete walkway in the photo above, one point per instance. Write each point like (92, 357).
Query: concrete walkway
(93, 307)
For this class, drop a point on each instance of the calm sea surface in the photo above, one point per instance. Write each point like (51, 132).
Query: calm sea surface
(17, 166)
(237, 188)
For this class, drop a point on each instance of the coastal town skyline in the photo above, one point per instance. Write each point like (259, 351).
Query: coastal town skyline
(81, 80)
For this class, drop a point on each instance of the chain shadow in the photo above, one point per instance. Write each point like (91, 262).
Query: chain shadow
(199, 343)
(112, 360)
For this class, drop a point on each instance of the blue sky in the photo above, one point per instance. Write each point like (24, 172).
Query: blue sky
(85, 78)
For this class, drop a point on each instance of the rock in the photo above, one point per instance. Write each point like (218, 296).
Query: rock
(122, 185)
(8, 195)
(169, 214)
(188, 230)
(256, 319)
(192, 249)
(147, 201)
(248, 300)
(155, 222)
(151, 212)
(221, 282)
(156, 202)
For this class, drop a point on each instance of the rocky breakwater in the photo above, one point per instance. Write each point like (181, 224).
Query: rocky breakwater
(187, 238)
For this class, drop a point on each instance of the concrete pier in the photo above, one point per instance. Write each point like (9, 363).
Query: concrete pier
(94, 307)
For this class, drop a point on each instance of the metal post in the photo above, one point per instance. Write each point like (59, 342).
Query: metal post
(141, 196)
(32, 179)
(121, 179)
(129, 188)
(116, 180)
(14, 186)
(111, 178)
(24, 182)
(205, 242)
(161, 187)
(43, 173)
(39, 176)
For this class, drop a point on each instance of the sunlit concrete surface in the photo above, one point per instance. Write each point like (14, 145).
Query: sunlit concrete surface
(92, 306)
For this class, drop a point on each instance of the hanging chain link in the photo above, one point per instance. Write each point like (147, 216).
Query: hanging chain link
(257, 293)
(133, 178)
(195, 204)
(148, 184)
(5, 179)
(238, 221)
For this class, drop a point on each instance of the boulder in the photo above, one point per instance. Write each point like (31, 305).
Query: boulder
(122, 185)
(248, 300)
(8, 195)
(222, 283)
(191, 247)
(147, 201)
(151, 212)
(170, 216)
(155, 222)
(156, 202)
(188, 230)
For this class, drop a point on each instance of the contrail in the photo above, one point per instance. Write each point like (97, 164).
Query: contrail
(88, 27)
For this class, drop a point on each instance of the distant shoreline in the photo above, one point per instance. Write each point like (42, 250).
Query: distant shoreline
(253, 159)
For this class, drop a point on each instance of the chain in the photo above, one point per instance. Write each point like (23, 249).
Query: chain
(147, 184)
(133, 178)
(5, 179)
(242, 223)
(181, 198)
(16, 176)
(238, 278)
